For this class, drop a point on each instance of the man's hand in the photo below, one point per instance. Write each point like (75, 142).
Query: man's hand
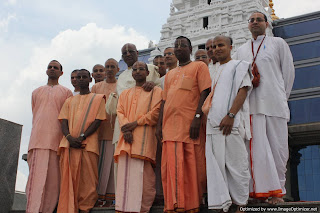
(159, 133)
(148, 86)
(226, 125)
(128, 137)
(74, 142)
(129, 127)
(195, 128)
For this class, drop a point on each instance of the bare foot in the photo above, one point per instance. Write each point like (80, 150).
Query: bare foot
(275, 200)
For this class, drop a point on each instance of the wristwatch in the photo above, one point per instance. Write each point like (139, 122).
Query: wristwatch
(197, 115)
(231, 115)
(82, 135)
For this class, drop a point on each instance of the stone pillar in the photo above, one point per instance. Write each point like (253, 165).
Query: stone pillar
(10, 137)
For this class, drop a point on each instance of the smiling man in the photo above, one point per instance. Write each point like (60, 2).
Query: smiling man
(179, 126)
(138, 112)
(80, 117)
(273, 70)
(170, 59)
(106, 164)
(226, 156)
(44, 176)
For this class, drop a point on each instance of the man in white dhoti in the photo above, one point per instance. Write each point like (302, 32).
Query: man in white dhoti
(214, 63)
(271, 61)
(227, 127)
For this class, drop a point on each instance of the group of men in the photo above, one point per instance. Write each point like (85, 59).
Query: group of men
(169, 131)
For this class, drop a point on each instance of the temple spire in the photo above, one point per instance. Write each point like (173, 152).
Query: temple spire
(273, 15)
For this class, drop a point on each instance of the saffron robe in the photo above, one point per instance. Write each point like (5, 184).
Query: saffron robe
(42, 188)
(178, 150)
(79, 167)
(106, 188)
(135, 104)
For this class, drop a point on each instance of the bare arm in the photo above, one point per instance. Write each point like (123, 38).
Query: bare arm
(226, 123)
(196, 122)
(74, 142)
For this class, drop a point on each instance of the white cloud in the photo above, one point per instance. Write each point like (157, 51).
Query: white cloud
(290, 8)
(81, 48)
(4, 23)
(12, 2)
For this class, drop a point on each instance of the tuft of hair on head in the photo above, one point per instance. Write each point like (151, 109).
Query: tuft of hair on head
(264, 15)
(57, 62)
(85, 71)
(183, 37)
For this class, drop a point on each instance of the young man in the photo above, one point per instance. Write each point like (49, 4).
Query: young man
(227, 166)
(138, 112)
(98, 73)
(271, 60)
(106, 164)
(170, 59)
(80, 117)
(74, 83)
(185, 90)
(44, 177)
(201, 55)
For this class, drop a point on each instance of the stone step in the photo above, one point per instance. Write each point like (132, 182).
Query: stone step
(262, 207)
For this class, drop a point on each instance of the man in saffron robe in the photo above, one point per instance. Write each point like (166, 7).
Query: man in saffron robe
(269, 110)
(179, 127)
(74, 83)
(98, 73)
(137, 112)
(80, 116)
(42, 189)
(228, 127)
(106, 164)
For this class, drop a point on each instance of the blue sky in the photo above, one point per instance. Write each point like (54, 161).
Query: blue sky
(79, 34)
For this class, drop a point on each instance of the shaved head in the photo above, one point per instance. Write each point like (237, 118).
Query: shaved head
(227, 39)
(112, 59)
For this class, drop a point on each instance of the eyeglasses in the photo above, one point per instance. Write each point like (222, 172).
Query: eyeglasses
(129, 51)
(256, 19)
(54, 67)
(201, 56)
(168, 54)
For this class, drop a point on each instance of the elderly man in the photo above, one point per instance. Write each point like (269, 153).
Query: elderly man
(138, 112)
(80, 117)
(178, 127)
(273, 70)
(226, 155)
(98, 73)
(106, 187)
(42, 189)
(74, 83)
(201, 55)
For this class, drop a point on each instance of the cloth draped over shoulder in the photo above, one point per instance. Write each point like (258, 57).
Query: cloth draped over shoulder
(81, 111)
(234, 75)
(135, 104)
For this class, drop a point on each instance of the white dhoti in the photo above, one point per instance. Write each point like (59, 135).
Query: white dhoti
(227, 170)
(269, 154)
(136, 185)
